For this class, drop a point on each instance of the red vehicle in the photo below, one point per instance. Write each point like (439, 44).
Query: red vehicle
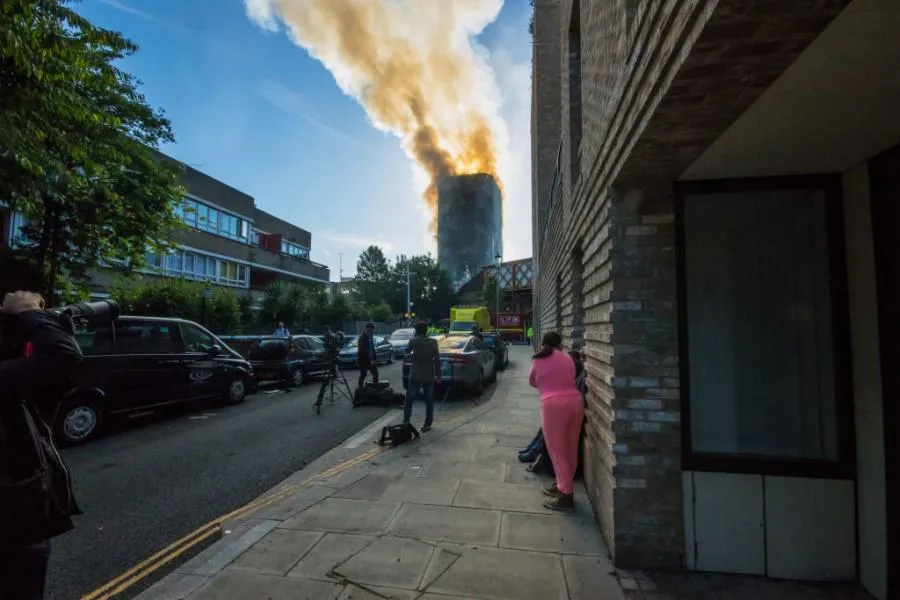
(511, 326)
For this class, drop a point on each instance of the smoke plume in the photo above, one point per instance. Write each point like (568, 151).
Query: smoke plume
(415, 68)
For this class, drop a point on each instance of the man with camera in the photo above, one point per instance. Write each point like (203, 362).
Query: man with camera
(365, 356)
(332, 344)
(38, 356)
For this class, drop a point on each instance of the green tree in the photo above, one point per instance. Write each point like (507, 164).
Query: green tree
(373, 276)
(431, 291)
(489, 293)
(382, 313)
(223, 311)
(77, 144)
(159, 298)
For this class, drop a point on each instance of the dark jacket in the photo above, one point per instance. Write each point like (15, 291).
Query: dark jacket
(424, 358)
(38, 356)
(364, 351)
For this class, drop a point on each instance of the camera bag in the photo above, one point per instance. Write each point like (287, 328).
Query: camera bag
(398, 434)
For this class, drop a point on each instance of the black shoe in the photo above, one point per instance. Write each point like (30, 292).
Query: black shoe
(561, 502)
(551, 490)
(426, 428)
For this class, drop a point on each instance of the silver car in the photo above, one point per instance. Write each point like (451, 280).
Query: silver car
(350, 352)
(465, 363)
(399, 340)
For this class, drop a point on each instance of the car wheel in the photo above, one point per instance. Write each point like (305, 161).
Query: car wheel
(297, 377)
(478, 388)
(78, 421)
(236, 391)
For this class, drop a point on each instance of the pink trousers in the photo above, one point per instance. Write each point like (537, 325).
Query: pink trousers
(561, 419)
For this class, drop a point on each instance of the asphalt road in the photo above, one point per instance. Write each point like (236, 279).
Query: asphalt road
(151, 482)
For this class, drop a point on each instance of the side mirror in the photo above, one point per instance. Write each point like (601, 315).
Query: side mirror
(214, 350)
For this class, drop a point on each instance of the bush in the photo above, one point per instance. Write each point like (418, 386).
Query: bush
(222, 313)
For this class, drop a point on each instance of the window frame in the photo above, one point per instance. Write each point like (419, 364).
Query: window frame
(174, 335)
(845, 465)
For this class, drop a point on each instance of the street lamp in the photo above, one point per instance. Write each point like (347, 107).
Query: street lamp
(499, 258)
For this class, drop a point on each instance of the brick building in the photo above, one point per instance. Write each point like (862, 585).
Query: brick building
(716, 193)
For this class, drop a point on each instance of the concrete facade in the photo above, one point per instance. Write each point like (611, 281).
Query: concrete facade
(629, 97)
(469, 225)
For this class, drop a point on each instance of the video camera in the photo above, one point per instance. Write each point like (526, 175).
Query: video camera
(100, 312)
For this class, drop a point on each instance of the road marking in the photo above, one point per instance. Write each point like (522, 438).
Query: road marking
(149, 565)
(360, 438)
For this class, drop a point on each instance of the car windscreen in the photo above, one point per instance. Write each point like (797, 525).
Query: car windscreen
(452, 343)
(488, 341)
(242, 347)
(402, 334)
(461, 326)
(268, 350)
(351, 342)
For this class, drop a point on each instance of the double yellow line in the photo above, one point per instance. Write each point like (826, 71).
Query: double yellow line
(214, 527)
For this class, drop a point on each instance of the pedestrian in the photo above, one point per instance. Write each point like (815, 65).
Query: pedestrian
(562, 414)
(529, 335)
(281, 331)
(365, 356)
(424, 358)
(38, 354)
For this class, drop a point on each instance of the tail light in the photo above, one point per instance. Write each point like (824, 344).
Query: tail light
(28, 351)
(463, 360)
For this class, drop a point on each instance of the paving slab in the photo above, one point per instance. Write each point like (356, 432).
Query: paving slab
(500, 496)
(467, 469)
(278, 552)
(495, 454)
(516, 442)
(499, 574)
(233, 543)
(463, 525)
(518, 473)
(423, 490)
(505, 428)
(448, 450)
(176, 586)
(332, 550)
(352, 592)
(242, 586)
(388, 562)
(591, 578)
(344, 515)
(296, 502)
(561, 533)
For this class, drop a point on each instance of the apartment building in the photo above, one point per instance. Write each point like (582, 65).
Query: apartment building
(227, 241)
(715, 204)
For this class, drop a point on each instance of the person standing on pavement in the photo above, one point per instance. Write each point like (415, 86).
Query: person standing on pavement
(366, 355)
(529, 335)
(562, 414)
(38, 353)
(281, 331)
(424, 359)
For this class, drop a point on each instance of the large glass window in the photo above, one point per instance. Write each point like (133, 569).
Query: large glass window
(215, 221)
(759, 315)
(295, 250)
(180, 263)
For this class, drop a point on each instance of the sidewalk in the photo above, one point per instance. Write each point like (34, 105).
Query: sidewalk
(452, 516)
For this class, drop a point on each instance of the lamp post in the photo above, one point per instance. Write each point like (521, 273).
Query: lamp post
(499, 258)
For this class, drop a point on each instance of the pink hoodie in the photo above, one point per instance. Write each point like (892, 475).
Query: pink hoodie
(554, 376)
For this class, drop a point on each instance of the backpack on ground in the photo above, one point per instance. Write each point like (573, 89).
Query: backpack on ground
(398, 434)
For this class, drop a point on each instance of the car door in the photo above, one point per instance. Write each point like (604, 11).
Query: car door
(202, 375)
(487, 357)
(148, 368)
(318, 357)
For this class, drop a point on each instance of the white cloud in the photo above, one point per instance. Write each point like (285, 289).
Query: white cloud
(350, 240)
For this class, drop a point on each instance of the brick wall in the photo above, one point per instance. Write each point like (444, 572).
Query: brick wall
(660, 81)
(606, 273)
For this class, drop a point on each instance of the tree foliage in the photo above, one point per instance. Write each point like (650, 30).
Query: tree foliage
(373, 276)
(77, 143)
(431, 291)
(220, 310)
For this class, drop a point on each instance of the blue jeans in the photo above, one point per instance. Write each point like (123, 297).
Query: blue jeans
(417, 389)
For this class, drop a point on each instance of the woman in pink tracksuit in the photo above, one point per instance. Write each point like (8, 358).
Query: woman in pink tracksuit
(562, 412)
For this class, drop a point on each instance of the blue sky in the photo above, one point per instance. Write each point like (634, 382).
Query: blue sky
(251, 108)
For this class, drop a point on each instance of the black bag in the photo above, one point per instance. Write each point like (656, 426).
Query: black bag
(368, 396)
(398, 434)
(38, 504)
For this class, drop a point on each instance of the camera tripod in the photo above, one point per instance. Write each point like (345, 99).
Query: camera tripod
(334, 379)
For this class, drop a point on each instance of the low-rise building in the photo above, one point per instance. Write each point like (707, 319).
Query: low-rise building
(227, 241)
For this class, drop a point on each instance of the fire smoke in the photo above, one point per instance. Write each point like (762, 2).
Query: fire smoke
(414, 67)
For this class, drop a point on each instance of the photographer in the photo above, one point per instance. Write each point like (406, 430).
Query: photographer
(38, 354)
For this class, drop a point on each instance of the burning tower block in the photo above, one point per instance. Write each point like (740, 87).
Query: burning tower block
(469, 225)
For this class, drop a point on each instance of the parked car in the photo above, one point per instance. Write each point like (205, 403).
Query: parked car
(465, 363)
(137, 364)
(500, 347)
(400, 340)
(350, 351)
(290, 360)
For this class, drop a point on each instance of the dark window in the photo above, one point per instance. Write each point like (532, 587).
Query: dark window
(195, 339)
(95, 341)
(760, 319)
(146, 337)
(577, 274)
(316, 344)
(575, 93)
(271, 349)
